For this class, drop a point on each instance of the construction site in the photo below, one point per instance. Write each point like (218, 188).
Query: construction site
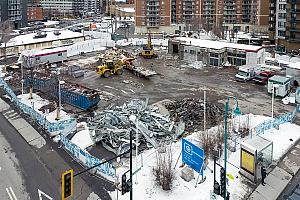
(91, 84)
(93, 102)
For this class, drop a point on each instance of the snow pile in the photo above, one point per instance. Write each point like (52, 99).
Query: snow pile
(146, 187)
(37, 102)
(82, 138)
(2, 74)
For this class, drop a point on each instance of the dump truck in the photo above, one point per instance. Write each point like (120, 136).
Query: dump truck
(147, 51)
(109, 68)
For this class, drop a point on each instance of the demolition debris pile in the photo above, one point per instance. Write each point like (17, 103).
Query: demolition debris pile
(191, 112)
(112, 127)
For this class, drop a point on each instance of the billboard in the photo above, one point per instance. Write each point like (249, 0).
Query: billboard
(192, 155)
(247, 161)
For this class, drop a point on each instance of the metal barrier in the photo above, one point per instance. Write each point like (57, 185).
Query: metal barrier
(274, 123)
(60, 125)
(106, 170)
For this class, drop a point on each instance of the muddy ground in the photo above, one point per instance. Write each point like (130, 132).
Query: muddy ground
(176, 82)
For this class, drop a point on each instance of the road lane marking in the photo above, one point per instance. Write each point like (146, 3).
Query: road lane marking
(12, 192)
(41, 194)
(8, 192)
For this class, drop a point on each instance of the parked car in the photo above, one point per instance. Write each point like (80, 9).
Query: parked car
(263, 77)
(247, 72)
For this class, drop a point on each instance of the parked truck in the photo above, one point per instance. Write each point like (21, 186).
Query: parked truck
(247, 73)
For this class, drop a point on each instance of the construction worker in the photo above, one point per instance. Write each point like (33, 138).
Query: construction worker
(263, 175)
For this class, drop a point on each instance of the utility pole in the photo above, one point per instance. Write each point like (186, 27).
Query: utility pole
(204, 114)
(131, 191)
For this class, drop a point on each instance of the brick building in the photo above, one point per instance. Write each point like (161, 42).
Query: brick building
(34, 10)
(245, 15)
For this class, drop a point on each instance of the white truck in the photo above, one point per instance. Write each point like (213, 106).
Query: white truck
(247, 72)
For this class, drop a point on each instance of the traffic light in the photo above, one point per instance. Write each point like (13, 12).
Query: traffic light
(222, 182)
(67, 184)
(217, 188)
(124, 184)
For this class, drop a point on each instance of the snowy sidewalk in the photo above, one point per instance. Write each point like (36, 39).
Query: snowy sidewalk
(30, 135)
(279, 177)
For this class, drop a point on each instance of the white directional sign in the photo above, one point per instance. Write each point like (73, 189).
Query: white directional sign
(43, 194)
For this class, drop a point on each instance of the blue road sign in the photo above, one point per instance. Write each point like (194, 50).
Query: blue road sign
(192, 155)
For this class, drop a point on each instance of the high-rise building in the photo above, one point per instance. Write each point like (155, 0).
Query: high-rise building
(246, 15)
(285, 24)
(14, 11)
(293, 25)
(152, 15)
(56, 8)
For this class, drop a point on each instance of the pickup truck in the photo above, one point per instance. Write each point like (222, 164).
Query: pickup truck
(263, 77)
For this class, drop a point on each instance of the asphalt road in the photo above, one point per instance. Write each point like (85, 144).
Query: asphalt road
(27, 169)
(11, 184)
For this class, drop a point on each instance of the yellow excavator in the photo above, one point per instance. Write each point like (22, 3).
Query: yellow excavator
(147, 51)
(109, 68)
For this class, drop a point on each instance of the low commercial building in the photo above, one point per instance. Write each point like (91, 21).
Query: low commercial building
(42, 40)
(217, 53)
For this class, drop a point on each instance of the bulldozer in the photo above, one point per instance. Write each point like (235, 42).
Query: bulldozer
(147, 51)
(109, 68)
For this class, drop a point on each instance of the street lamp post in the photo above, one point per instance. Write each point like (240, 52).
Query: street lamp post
(237, 112)
(274, 86)
(59, 99)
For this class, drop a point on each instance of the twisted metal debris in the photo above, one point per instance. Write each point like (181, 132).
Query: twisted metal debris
(112, 126)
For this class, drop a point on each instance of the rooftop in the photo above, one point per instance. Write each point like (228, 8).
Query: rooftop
(281, 79)
(294, 65)
(29, 38)
(217, 44)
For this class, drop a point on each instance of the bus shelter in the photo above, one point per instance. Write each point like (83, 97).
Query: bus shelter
(255, 153)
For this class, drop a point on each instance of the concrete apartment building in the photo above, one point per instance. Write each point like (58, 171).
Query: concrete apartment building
(56, 8)
(245, 15)
(15, 11)
(284, 24)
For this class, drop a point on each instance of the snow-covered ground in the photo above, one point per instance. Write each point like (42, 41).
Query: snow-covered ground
(82, 138)
(147, 188)
(37, 102)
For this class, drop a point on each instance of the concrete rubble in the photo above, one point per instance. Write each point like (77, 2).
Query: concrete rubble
(112, 126)
(191, 111)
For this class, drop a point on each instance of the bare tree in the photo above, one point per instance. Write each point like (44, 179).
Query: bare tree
(163, 170)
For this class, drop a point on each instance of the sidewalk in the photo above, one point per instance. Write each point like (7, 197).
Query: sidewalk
(279, 177)
(46, 154)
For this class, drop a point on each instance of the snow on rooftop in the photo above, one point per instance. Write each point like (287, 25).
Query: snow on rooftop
(29, 38)
(217, 44)
(35, 52)
(128, 10)
(294, 65)
(50, 23)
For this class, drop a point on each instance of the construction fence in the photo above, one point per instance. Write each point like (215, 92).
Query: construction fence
(274, 123)
(106, 170)
(62, 126)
